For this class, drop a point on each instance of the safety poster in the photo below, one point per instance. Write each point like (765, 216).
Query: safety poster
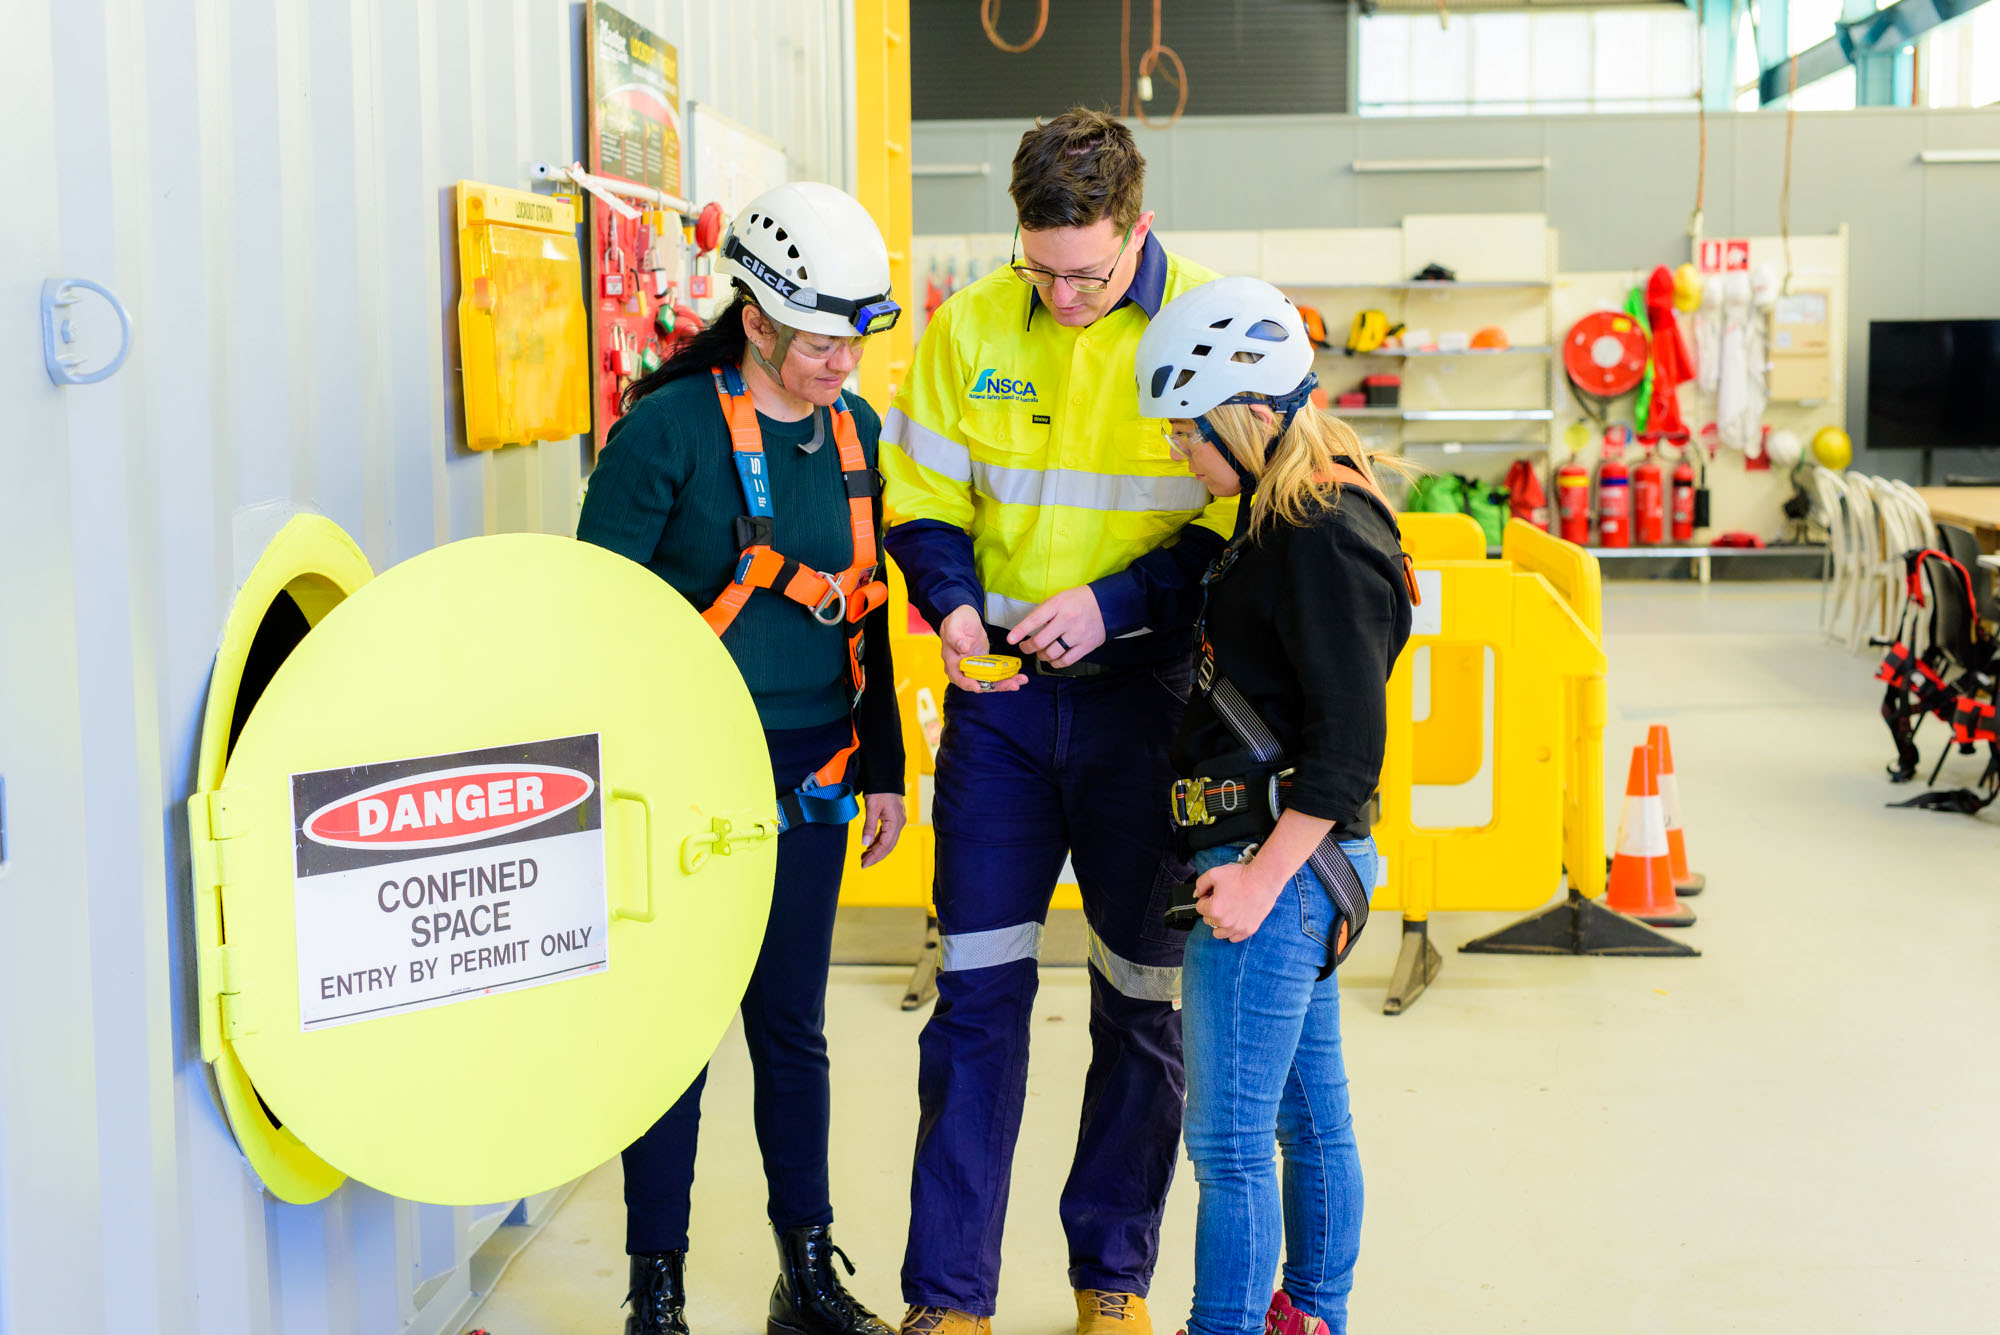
(636, 262)
(439, 879)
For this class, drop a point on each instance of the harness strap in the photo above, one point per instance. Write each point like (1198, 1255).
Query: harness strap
(832, 599)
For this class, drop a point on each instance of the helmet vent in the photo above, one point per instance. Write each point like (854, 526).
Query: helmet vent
(1248, 357)
(1202, 349)
(1223, 323)
(760, 218)
(793, 252)
(780, 234)
(1181, 380)
(1269, 331)
(802, 271)
(1160, 375)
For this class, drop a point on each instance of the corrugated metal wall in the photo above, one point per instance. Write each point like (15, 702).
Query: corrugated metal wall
(266, 184)
(1243, 57)
(1618, 191)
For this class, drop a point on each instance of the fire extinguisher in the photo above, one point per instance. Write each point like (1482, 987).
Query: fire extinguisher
(1649, 501)
(1614, 493)
(1684, 498)
(1573, 501)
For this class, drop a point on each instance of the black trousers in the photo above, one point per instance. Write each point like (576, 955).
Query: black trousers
(784, 1023)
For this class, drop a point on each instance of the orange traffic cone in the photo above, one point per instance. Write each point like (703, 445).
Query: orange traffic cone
(1686, 883)
(1642, 884)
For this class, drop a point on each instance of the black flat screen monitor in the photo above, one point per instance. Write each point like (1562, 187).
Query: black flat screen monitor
(1933, 384)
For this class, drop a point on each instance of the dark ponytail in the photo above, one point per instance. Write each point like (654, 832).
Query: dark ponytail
(722, 343)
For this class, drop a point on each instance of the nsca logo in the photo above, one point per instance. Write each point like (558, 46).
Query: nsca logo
(990, 386)
(445, 807)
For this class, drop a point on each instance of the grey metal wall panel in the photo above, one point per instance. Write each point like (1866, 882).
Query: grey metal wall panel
(268, 186)
(1243, 57)
(1618, 191)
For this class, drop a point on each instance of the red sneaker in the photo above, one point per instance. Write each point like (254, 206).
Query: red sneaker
(1284, 1319)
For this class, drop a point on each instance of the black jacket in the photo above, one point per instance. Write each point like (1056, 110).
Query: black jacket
(1308, 622)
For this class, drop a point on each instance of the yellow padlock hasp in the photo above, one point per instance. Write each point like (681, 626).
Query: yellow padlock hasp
(499, 642)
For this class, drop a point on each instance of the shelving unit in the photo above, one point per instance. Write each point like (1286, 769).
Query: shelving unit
(1501, 397)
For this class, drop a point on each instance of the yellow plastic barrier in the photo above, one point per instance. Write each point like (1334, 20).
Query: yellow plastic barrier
(1448, 741)
(1573, 573)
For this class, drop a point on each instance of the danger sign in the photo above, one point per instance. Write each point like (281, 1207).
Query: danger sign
(423, 882)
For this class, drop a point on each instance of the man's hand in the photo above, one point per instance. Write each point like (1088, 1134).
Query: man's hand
(882, 821)
(961, 635)
(1063, 629)
(1233, 900)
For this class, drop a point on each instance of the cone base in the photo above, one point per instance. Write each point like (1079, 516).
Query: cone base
(1693, 885)
(1577, 926)
(1680, 915)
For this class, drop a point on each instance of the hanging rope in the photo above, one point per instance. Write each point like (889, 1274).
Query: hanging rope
(1785, 190)
(1124, 59)
(1150, 61)
(989, 18)
(1701, 118)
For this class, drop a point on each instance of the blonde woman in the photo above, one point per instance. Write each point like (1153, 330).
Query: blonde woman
(1279, 754)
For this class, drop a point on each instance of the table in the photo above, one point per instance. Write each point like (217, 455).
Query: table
(1976, 508)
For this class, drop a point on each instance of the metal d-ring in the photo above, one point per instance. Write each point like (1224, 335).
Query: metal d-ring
(836, 597)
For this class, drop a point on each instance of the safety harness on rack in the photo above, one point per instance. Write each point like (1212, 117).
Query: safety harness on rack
(1245, 802)
(1953, 683)
(831, 599)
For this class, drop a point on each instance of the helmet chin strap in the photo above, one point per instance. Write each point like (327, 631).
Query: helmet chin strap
(782, 345)
(1288, 405)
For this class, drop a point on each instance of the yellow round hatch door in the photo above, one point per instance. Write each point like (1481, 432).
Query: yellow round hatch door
(495, 848)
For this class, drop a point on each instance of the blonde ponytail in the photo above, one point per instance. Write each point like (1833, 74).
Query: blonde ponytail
(1296, 481)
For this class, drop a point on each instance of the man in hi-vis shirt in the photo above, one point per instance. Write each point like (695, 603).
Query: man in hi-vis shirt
(1034, 512)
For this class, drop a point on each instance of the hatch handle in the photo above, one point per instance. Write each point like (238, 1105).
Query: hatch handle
(722, 835)
(635, 915)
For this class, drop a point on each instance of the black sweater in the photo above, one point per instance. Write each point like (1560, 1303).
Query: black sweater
(1308, 623)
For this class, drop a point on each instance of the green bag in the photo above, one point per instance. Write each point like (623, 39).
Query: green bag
(1489, 506)
(1437, 494)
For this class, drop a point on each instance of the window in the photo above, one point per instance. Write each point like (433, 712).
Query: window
(1511, 63)
(1960, 62)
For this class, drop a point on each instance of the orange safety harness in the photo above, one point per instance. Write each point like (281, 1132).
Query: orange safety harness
(831, 599)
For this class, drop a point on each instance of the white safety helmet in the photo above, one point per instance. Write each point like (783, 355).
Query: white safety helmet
(814, 260)
(1231, 337)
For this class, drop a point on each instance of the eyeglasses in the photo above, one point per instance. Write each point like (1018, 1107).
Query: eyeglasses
(1181, 444)
(820, 347)
(1079, 282)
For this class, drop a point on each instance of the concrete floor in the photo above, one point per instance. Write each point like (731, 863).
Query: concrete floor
(1794, 1132)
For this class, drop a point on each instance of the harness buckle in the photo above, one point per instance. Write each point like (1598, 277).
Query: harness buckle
(1204, 671)
(836, 598)
(754, 531)
(1189, 803)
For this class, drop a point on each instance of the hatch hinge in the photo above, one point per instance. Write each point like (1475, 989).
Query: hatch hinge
(214, 819)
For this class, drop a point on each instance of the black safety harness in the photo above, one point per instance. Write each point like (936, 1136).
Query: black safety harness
(1953, 683)
(1245, 796)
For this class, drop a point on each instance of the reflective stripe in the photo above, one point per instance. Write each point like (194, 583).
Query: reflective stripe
(1006, 613)
(1141, 982)
(1081, 490)
(928, 448)
(983, 950)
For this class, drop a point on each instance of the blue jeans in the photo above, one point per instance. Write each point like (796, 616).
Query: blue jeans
(1262, 1045)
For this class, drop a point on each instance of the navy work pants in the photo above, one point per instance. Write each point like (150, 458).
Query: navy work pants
(784, 1023)
(1065, 766)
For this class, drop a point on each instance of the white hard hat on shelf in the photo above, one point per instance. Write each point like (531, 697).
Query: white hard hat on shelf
(814, 260)
(1225, 339)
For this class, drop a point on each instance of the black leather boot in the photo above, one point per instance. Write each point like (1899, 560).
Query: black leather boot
(658, 1297)
(809, 1298)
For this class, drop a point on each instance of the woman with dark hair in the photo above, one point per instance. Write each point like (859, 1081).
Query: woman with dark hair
(744, 476)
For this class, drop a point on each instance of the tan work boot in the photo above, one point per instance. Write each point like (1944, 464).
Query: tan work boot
(945, 1321)
(1103, 1312)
